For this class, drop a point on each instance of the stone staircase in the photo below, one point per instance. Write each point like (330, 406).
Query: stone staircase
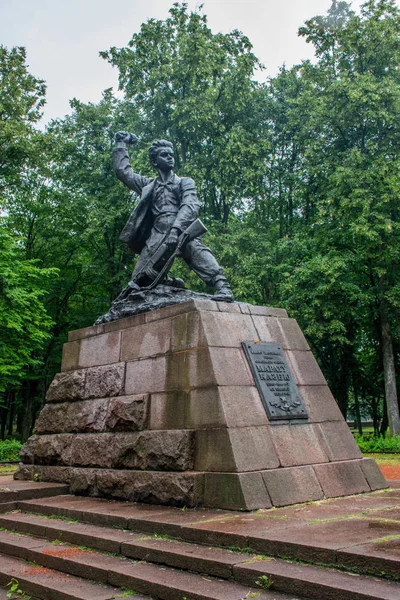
(67, 548)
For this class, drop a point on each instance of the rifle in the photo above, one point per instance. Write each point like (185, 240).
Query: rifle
(161, 259)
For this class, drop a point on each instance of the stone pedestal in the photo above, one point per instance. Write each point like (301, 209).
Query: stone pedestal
(162, 407)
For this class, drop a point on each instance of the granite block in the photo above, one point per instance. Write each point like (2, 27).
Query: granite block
(70, 356)
(321, 405)
(147, 340)
(298, 445)
(235, 491)
(373, 474)
(292, 485)
(342, 478)
(241, 449)
(338, 441)
(100, 350)
(67, 386)
(105, 381)
(304, 367)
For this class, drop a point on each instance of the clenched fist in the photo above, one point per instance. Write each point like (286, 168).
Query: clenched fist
(126, 137)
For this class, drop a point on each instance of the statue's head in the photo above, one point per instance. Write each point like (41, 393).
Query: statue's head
(161, 155)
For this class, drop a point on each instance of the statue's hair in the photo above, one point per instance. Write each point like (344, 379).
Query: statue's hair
(156, 146)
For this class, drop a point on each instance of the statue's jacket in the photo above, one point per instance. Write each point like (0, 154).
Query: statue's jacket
(182, 192)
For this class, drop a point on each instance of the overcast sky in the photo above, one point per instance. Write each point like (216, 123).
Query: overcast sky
(63, 37)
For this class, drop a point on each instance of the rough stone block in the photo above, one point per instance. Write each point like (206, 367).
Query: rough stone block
(373, 474)
(156, 450)
(44, 473)
(105, 381)
(174, 489)
(228, 330)
(65, 417)
(100, 350)
(123, 413)
(70, 356)
(241, 449)
(338, 441)
(321, 405)
(342, 478)
(292, 485)
(153, 450)
(235, 491)
(81, 481)
(305, 369)
(144, 341)
(127, 413)
(297, 445)
(46, 449)
(168, 410)
(91, 450)
(67, 386)
(293, 338)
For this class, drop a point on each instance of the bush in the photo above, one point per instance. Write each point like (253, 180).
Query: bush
(369, 443)
(9, 450)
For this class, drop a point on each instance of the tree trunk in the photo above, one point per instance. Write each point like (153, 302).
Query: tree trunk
(389, 374)
(357, 405)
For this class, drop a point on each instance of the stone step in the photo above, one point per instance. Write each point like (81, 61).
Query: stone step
(283, 576)
(217, 562)
(163, 582)
(48, 584)
(11, 491)
(217, 528)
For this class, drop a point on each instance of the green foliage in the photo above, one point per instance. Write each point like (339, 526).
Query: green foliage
(15, 591)
(298, 179)
(9, 450)
(265, 582)
(24, 324)
(196, 89)
(369, 443)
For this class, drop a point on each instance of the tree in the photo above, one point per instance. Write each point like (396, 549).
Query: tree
(355, 103)
(24, 323)
(196, 89)
(21, 98)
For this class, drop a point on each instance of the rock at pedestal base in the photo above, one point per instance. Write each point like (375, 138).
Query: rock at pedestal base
(162, 407)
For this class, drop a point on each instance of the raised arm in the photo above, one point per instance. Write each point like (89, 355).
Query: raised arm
(122, 165)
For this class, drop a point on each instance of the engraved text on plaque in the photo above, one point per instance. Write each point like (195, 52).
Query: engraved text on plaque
(274, 381)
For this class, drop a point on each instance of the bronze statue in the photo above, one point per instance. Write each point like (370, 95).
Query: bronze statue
(164, 223)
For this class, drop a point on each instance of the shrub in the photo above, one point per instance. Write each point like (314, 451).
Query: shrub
(378, 444)
(9, 450)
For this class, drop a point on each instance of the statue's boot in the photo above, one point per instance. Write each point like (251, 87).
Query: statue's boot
(223, 291)
(175, 282)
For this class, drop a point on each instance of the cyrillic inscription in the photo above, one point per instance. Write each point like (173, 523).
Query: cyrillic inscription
(274, 381)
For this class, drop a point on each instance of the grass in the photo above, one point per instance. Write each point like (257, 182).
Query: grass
(384, 458)
(9, 450)
(8, 469)
(370, 443)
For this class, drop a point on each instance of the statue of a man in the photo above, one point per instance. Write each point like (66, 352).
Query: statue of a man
(168, 205)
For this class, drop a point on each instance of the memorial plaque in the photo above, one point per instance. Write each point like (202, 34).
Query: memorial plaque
(274, 381)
